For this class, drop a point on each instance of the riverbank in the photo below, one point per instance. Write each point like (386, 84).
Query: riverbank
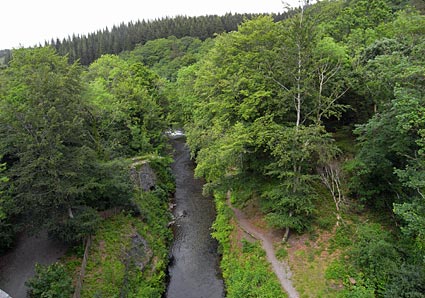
(268, 240)
(246, 270)
(129, 254)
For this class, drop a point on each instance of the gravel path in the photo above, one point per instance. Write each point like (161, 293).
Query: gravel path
(281, 269)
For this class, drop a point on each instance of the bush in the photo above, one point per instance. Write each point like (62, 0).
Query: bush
(7, 235)
(374, 254)
(246, 270)
(360, 292)
(342, 237)
(337, 270)
(407, 282)
(85, 222)
(50, 282)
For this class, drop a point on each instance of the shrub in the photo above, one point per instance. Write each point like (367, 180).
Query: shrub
(342, 237)
(336, 270)
(374, 254)
(281, 253)
(407, 282)
(50, 282)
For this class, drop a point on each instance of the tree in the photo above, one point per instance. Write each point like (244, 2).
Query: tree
(7, 210)
(129, 110)
(410, 105)
(393, 68)
(44, 132)
(263, 93)
(308, 72)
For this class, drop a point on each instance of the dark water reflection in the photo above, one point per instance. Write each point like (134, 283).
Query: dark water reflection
(194, 271)
(17, 266)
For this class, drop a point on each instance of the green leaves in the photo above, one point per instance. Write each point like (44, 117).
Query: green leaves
(258, 100)
(225, 156)
(50, 282)
(3, 179)
(44, 128)
(128, 108)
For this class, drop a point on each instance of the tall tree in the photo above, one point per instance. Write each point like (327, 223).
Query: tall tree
(309, 74)
(128, 107)
(263, 93)
(44, 132)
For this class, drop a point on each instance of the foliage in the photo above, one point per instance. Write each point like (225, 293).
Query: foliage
(51, 281)
(336, 270)
(375, 255)
(105, 271)
(407, 281)
(84, 222)
(109, 272)
(45, 133)
(242, 92)
(286, 209)
(246, 271)
(7, 228)
(128, 108)
(166, 56)
(124, 37)
(282, 253)
(257, 104)
(3, 180)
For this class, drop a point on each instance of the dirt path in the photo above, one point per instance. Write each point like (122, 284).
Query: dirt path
(281, 269)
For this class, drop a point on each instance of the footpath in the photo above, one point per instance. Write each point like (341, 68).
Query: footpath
(280, 268)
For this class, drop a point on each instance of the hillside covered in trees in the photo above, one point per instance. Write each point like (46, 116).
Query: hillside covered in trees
(315, 117)
(124, 37)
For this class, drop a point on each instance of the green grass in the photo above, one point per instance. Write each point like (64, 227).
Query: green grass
(105, 270)
(281, 251)
(107, 274)
(246, 271)
(346, 141)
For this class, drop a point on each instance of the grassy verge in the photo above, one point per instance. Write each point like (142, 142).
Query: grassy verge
(246, 271)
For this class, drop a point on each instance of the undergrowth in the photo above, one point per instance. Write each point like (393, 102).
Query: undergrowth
(110, 272)
(245, 269)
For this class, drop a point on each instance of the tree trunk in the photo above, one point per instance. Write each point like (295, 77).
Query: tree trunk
(286, 235)
(70, 214)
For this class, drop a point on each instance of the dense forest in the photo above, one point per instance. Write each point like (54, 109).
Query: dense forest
(317, 115)
(124, 37)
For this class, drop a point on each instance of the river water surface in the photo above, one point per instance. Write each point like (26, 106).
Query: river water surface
(17, 266)
(194, 271)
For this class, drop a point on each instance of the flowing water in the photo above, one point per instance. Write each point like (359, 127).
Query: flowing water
(194, 271)
(17, 266)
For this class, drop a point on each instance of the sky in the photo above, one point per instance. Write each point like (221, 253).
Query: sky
(25, 23)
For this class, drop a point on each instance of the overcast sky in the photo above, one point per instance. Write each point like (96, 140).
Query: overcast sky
(29, 22)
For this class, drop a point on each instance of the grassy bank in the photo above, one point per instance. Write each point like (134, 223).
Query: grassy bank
(246, 271)
(129, 255)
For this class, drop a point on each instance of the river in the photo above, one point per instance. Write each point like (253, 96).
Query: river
(17, 266)
(194, 271)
